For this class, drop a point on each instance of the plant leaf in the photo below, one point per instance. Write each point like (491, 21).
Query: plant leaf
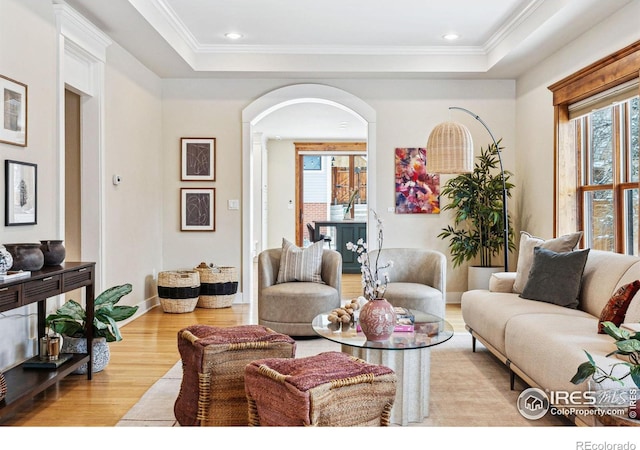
(585, 370)
(628, 346)
(112, 295)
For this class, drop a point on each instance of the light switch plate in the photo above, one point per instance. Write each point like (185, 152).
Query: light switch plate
(234, 204)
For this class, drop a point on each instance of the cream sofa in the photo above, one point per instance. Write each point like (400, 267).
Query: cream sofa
(543, 343)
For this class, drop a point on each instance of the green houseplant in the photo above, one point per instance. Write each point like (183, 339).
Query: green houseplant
(477, 199)
(70, 321)
(627, 345)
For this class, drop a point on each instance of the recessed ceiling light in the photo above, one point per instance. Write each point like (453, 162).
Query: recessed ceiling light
(233, 36)
(451, 36)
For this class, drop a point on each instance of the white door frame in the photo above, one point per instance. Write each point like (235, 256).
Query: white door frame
(265, 105)
(81, 66)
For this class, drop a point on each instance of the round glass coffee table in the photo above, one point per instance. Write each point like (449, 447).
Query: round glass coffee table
(405, 352)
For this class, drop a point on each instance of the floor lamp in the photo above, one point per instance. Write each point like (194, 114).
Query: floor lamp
(450, 150)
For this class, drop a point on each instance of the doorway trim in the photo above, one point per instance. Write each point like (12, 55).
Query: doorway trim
(81, 68)
(262, 107)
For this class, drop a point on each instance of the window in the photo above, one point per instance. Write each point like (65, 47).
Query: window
(606, 144)
(597, 155)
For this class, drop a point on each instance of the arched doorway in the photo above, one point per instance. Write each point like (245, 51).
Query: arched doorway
(251, 170)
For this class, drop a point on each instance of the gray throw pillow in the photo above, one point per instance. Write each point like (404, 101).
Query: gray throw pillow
(556, 277)
(561, 244)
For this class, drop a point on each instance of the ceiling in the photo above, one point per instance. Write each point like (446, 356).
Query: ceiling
(343, 38)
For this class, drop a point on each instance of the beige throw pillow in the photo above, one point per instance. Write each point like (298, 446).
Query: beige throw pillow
(528, 242)
(300, 264)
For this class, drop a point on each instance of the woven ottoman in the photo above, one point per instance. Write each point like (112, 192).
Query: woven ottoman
(329, 389)
(213, 361)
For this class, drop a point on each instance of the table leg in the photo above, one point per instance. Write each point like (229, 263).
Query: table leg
(412, 367)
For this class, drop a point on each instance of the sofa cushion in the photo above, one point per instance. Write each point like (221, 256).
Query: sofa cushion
(633, 311)
(617, 306)
(416, 296)
(528, 242)
(502, 281)
(308, 300)
(556, 277)
(300, 264)
(604, 273)
(487, 314)
(549, 348)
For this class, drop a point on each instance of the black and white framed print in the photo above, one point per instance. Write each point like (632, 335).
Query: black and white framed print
(198, 159)
(21, 193)
(198, 209)
(13, 114)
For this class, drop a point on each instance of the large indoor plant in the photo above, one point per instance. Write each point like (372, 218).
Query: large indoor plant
(477, 198)
(70, 321)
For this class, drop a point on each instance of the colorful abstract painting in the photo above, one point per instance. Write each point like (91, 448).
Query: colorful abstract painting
(417, 192)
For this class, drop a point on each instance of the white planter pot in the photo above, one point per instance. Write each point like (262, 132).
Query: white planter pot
(100, 357)
(478, 277)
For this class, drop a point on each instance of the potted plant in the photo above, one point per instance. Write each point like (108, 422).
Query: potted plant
(476, 198)
(627, 345)
(607, 397)
(70, 321)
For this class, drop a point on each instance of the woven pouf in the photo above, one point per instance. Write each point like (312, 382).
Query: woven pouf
(218, 286)
(213, 361)
(178, 290)
(329, 389)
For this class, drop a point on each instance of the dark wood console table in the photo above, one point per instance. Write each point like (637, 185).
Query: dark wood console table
(346, 231)
(23, 384)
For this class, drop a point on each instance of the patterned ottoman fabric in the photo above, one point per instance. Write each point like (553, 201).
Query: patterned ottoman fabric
(329, 389)
(212, 391)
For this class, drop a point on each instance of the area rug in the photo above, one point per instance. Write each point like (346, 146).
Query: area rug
(467, 390)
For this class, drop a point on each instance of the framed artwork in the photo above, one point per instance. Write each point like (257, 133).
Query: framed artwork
(198, 159)
(198, 209)
(21, 193)
(13, 114)
(417, 192)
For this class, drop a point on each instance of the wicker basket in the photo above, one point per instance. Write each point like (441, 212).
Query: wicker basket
(3, 387)
(218, 286)
(178, 290)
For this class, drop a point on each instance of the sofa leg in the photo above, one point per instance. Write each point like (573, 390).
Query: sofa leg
(512, 379)
(473, 343)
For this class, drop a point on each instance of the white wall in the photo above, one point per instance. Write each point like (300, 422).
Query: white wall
(406, 110)
(134, 208)
(535, 114)
(24, 26)
(133, 141)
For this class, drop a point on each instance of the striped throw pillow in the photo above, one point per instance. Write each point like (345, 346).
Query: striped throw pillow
(300, 264)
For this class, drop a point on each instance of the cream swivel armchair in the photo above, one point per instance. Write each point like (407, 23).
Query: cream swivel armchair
(289, 307)
(417, 278)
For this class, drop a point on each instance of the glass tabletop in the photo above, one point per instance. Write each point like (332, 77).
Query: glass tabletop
(428, 330)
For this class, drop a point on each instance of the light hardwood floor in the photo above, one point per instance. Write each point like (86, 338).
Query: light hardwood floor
(148, 350)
